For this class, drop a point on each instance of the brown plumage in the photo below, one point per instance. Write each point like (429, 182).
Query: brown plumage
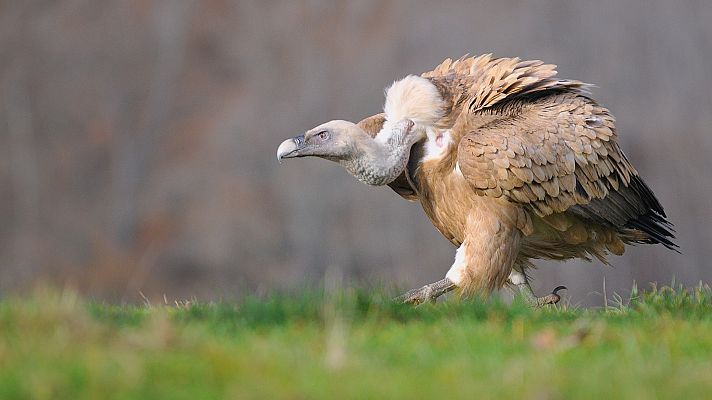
(515, 165)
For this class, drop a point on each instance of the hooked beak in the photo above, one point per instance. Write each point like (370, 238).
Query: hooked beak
(290, 148)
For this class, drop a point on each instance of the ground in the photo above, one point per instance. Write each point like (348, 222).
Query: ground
(355, 344)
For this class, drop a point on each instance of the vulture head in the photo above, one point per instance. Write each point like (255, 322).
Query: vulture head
(373, 160)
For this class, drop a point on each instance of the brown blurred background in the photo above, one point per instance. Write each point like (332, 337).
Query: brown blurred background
(137, 137)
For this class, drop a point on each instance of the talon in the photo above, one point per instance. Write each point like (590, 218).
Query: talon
(556, 289)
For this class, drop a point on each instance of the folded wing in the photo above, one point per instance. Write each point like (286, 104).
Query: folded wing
(559, 153)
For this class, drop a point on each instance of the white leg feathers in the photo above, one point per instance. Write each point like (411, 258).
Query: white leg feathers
(517, 277)
(457, 271)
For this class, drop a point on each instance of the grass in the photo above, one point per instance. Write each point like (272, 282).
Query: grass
(355, 344)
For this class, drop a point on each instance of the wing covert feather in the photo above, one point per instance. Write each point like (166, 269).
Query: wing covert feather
(558, 152)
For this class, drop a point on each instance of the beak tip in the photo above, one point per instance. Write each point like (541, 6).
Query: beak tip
(285, 149)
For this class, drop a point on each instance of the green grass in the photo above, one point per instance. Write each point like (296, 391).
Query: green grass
(355, 345)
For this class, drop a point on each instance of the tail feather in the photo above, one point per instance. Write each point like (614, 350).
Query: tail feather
(634, 212)
(656, 228)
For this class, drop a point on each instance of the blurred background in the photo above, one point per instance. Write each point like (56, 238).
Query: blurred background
(137, 137)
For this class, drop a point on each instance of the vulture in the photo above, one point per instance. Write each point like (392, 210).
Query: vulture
(510, 163)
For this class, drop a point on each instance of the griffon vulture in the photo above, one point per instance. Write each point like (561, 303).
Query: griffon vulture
(509, 163)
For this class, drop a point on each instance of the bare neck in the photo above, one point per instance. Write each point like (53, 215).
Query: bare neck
(379, 163)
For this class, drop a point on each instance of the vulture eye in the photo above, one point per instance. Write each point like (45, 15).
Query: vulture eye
(323, 135)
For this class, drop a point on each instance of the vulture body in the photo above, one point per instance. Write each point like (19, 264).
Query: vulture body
(510, 164)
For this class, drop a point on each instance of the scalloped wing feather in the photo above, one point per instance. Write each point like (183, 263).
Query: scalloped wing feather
(561, 155)
(556, 155)
(483, 81)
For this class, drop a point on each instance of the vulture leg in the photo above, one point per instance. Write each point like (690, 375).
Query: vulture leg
(521, 286)
(427, 293)
(482, 260)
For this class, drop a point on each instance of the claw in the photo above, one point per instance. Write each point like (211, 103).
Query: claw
(556, 289)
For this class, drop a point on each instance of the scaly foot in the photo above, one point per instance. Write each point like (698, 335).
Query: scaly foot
(551, 298)
(427, 293)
